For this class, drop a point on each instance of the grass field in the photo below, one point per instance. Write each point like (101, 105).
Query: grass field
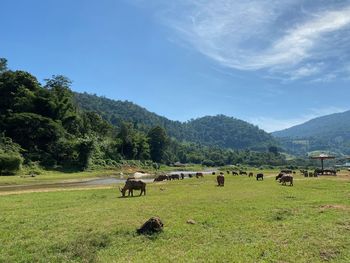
(245, 221)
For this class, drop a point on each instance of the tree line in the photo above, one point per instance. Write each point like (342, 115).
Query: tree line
(42, 123)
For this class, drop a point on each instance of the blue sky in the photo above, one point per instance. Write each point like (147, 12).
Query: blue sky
(270, 62)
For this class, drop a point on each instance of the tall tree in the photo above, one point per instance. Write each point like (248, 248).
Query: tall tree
(3, 64)
(158, 141)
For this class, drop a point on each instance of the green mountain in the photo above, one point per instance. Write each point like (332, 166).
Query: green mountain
(220, 130)
(327, 133)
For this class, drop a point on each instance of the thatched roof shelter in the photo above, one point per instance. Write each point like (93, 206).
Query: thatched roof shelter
(322, 157)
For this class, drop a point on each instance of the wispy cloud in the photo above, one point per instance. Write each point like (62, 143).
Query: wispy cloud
(274, 124)
(290, 38)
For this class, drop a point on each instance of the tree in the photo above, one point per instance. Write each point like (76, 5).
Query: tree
(273, 149)
(127, 136)
(158, 141)
(3, 64)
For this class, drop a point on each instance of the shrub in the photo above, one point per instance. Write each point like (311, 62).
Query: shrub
(10, 163)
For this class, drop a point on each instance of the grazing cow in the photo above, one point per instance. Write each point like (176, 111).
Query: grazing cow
(220, 179)
(199, 175)
(228, 172)
(242, 173)
(250, 174)
(213, 173)
(306, 174)
(279, 176)
(182, 176)
(175, 176)
(190, 175)
(132, 185)
(311, 174)
(286, 179)
(160, 178)
(259, 176)
(234, 173)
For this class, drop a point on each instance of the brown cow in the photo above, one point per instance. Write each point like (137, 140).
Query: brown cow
(175, 176)
(160, 178)
(132, 185)
(199, 175)
(220, 179)
(279, 176)
(286, 178)
(250, 174)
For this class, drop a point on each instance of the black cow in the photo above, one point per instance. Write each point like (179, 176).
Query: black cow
(259, 176)
(286, 179)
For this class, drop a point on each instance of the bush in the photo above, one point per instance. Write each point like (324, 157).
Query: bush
(10, 163)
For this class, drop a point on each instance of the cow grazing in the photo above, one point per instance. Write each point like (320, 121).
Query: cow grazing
(259, 176)
(213, 173)
(220, 179)
(199, 175)
(228, 172)
(250, 174)
(182, 176)
(190, 175)
(286, 179)
(234, 173)
(242, 173)
(132, 185)
(160, 178)
(175, 176)
(279, 176)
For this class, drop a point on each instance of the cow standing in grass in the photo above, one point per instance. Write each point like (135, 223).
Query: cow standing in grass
(286, 178)
(160, 178)
(199, 175)
(220, 179)
(131, 185)
(259, 176)
(279, 176)
(250, 174)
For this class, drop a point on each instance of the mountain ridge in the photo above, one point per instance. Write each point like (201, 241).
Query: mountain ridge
(328, 133)
(219, 130)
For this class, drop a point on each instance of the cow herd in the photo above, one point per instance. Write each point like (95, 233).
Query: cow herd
(284, 177)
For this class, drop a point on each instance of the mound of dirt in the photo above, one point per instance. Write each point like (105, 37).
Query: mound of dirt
(151, 226)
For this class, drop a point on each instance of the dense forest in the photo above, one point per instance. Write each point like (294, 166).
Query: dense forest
(327, 133)
(220, 131)
(45, 124)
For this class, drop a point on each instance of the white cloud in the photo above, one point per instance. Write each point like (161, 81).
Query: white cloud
(273, 35)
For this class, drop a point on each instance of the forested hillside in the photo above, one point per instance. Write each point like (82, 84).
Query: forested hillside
(220, 130)
(48, 125)
(327, 133)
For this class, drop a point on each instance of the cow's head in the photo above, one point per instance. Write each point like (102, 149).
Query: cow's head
(122, 190)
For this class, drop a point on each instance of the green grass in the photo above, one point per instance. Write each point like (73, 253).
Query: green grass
(51, 176)
(245, 221)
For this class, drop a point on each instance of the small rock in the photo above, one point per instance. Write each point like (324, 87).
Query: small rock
(191, 222)
(151, 226)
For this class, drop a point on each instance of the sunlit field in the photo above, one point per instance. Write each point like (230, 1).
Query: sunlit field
(245, 221)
